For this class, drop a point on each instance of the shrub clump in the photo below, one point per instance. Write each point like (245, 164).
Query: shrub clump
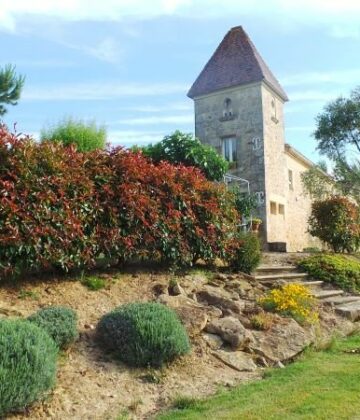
(59, 322)
(63, 209)
(143, 334)
(292, 300)
(336, 221)
(337, 269)
(27, 364)
(262, 321)
(246, 255)
(85, 135)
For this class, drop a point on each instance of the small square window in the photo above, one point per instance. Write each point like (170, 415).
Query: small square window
(273, 209)
(282, 209)
(291, 180)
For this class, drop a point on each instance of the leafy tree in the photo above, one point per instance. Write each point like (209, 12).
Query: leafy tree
(87, 136)
(10, 87)
(181, 148)
(338, 136)
(317, 183)
(336, 221)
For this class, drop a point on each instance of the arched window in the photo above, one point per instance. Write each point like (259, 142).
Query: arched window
(227, 108)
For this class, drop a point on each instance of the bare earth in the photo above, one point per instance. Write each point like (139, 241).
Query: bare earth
(92, 386)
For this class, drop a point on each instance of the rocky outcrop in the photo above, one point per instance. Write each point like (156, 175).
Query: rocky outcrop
(232, 331)
(283, 341)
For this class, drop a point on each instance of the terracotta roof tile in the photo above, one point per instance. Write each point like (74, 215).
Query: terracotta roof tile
(235, 62)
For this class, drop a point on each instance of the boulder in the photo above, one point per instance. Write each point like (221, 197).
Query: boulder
(237, 360)
(231, 330)
(213, 341)
(193, 283)
(193, 315)
(221, 299)
(282, 342)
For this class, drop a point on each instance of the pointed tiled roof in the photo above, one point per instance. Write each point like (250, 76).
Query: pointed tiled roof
(235, 62)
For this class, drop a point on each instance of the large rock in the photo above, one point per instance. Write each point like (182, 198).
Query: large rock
(192, 314)
(226, 301)
(282, 342)
(237, 360)
(213, 341)
(231, 330)
(193, 283)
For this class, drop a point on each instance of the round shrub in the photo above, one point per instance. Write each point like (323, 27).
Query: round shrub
(247, 255)
(27, 364)
(143, 334)
(59, 322)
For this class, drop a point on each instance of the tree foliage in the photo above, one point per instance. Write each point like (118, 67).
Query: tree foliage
(11, 85)
(87, 136)
(336, 221)
(181, 148)
(317, 183)
(338, 136)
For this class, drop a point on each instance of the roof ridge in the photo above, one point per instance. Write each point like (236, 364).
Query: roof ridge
(235, 62)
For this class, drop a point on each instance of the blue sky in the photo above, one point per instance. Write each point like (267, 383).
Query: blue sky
(129, 65)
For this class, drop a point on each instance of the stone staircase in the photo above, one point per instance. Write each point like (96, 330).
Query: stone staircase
(345, 304)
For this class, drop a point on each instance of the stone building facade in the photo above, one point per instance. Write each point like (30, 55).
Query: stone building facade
(239, 110)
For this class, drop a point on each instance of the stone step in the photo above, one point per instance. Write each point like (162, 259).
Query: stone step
(349, 310)
(274, 268)
(274, 277)
(340, 300)
(308, 282)
(322, 294)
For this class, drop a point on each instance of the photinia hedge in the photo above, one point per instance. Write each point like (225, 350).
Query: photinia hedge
(65, 209)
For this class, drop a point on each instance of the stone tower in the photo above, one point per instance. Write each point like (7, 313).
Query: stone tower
(239, 111)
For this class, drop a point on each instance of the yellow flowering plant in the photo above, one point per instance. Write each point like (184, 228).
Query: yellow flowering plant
(293, 300)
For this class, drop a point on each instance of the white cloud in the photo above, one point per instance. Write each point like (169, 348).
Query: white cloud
(175, 106)
(337, 13)
(105, 50)
(100, 91)
(129, 137)
(154, 120)
(345, 77)
(314, 95)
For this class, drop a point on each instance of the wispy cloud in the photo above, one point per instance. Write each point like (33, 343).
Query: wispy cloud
(314, 95)
(128, 138)
(154, 120)
(331, 12)
(340, 77)
(100, 91)
(174, 106)
(106, 50)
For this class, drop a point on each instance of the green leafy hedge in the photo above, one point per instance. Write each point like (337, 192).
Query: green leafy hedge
(27, 364)
(142, 334)
(337, 269)
(64, 209)
(59, 322)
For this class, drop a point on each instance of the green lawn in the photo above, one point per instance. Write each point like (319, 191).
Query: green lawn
(321, 385)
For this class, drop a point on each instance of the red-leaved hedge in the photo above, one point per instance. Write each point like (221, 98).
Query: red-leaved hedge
(61, 208)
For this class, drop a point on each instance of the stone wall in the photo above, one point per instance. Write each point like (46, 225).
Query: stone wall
(245, 123)
(298, 209)
(275, 164)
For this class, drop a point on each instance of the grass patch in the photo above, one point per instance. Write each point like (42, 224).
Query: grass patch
(320, 385)
(93, 283)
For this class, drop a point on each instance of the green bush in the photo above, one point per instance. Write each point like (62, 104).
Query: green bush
(336, 221)
(85, 135)
(337, 269)
(93, 283)
(59, 322)
(247, 255)
(181, 148)
(143, 334)
(27, 364)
